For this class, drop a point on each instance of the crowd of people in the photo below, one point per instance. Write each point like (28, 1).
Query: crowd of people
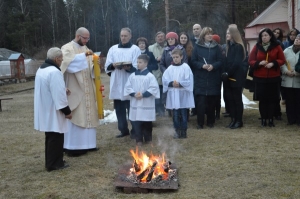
(179, 76)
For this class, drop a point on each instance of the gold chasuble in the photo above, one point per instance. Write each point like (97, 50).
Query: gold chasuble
(82, 99)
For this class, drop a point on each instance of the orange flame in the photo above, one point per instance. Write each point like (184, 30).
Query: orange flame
(144, 162)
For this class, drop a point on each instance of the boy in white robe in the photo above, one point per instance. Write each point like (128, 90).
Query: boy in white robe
(143, 89)
(178, 83)
(51, 108)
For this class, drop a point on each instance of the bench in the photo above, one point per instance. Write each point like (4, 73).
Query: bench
(8, 98)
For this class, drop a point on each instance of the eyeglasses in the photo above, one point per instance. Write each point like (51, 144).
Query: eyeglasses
(86, 38)
(276, 32)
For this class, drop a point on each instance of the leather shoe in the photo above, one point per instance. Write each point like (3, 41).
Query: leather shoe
(237, 125)
(122, 135)
(230, 124)
(58, 168)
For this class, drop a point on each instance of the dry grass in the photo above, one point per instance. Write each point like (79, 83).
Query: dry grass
(252, 162)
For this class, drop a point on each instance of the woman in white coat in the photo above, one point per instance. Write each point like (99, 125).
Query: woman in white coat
(291, 82)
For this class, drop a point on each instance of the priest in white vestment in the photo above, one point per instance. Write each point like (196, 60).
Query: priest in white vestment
(121, 61)
(78, 72)
(178, 82)
(143, 89)
(51, 108)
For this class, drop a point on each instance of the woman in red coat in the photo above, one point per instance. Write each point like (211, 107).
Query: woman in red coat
(266, 58)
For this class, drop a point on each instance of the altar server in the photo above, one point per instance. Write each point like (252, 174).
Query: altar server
(51, 108)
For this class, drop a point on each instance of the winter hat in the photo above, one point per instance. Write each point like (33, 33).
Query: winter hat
(298, 35)
(172, 35)
(216, 38)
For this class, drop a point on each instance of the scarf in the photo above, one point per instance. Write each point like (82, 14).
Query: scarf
(266, 45)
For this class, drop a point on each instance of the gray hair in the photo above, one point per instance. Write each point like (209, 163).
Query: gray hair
(126, 29)
(54, 53)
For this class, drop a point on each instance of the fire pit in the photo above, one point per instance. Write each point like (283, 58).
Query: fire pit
(146, 174)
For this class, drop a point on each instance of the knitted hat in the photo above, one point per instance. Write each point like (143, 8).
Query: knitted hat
(216, 38)
(172, 35)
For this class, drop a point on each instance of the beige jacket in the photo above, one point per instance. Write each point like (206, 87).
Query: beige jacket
(157, 51)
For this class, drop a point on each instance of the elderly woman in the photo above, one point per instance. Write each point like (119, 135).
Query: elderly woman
(206, 63)
(291, 82)
(266, 58)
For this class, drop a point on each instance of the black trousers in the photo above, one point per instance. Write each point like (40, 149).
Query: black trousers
(225, 97)
(208, 104)
(143, 130)
(235, 102)
(121, 107)
(159, 104)
(292, 103)
(54, 143)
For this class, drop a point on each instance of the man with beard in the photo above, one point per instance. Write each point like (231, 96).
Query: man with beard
(77, 68)
(121, 61)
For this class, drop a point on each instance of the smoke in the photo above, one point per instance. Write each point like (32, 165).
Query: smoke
(167, 144)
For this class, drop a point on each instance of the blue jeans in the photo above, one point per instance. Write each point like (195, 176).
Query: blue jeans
(180, 118)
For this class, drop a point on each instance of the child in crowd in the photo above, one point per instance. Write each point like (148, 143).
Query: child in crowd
(178, 83)
(143, 89)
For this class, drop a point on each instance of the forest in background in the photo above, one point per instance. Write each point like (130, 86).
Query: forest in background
(32, 26)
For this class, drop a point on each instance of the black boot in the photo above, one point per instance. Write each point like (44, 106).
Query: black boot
(177, 134)
(183, 133)
(237, 125)
(263, 122)
(271, 123)
(231, 123)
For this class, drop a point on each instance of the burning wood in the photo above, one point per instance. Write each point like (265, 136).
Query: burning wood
(143, 174)
(150, 174)
(154, 170)
(166, 166)
(136, 166)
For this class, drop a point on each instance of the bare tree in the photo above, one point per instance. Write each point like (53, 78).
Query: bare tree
(23, 6)
(104, 19)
